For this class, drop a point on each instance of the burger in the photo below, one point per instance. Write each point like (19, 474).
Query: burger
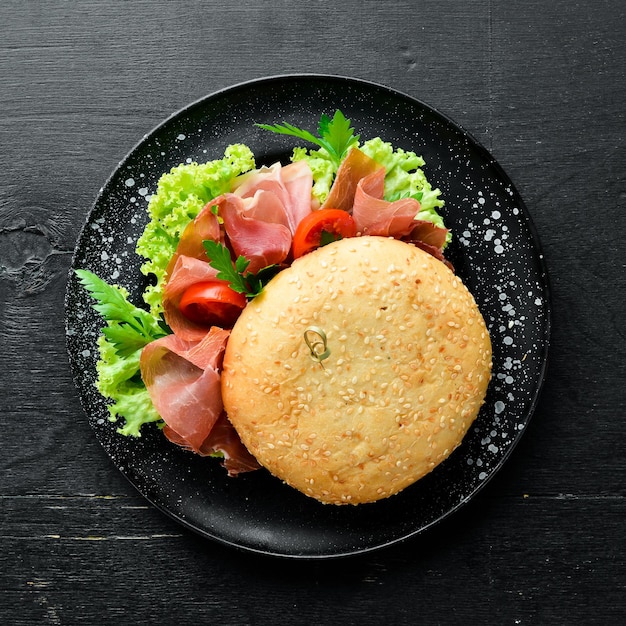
(358, 370)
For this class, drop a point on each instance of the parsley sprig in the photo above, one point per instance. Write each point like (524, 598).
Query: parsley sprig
(248, 283)
(128, 328)
(336, 135)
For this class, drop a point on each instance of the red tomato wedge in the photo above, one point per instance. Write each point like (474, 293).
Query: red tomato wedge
(212, 303)
(321, 227)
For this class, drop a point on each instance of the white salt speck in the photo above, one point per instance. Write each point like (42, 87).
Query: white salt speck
(499, 407)
(508, 341)
(538, 301)
(489, 233)
(481, 201)
(498, 249)
(143, 191)
(492, 448)
(104, 255)
(129, 182)
(181, 137)
(482, 475)
(496, 215)
(86, 353)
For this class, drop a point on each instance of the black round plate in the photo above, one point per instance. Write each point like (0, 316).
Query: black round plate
(495, 251)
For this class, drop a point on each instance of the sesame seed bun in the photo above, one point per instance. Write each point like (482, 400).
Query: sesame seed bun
(407, 371)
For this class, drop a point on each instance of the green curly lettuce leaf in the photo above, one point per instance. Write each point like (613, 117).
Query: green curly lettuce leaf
(180, 196)
(323, 168)
(119, 381)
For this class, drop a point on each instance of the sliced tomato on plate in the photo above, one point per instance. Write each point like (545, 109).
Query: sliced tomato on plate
(212, 303)
(322, 227)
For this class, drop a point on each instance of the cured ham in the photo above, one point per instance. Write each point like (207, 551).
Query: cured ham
(428, 233)
(183, 380)
(290, 184)
(375, 216)
(224, 439)
(356, 166)
(186, 272)
(256, 227)
(430, 238)
(205, 226)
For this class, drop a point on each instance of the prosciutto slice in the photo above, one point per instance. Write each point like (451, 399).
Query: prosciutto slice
(257, 227)
(356, 166)
(375, 216)
(224, 439)
(186, 272)
(290, 184)
(428, 233)
(183, 380)
(204, 226)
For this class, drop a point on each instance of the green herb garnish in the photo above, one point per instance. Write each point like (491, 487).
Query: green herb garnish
(327, 237)
(248, 283)
(128, 328)
(335, 135)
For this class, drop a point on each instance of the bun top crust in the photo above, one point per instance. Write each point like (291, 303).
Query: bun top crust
(408, 369)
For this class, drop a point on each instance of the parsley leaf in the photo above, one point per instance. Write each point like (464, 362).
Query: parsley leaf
(128, 328)
(336, 136)
(338, 133)
(327, 237)
(251, 285)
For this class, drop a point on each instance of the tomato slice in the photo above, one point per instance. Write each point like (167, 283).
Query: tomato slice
(212, 303)
(321, 227)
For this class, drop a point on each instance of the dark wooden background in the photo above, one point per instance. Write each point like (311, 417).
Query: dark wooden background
(540, 84)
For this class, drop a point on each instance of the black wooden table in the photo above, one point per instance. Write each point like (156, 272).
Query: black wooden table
(540, 84)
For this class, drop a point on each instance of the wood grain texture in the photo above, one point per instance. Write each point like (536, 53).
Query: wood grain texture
(541, 85)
